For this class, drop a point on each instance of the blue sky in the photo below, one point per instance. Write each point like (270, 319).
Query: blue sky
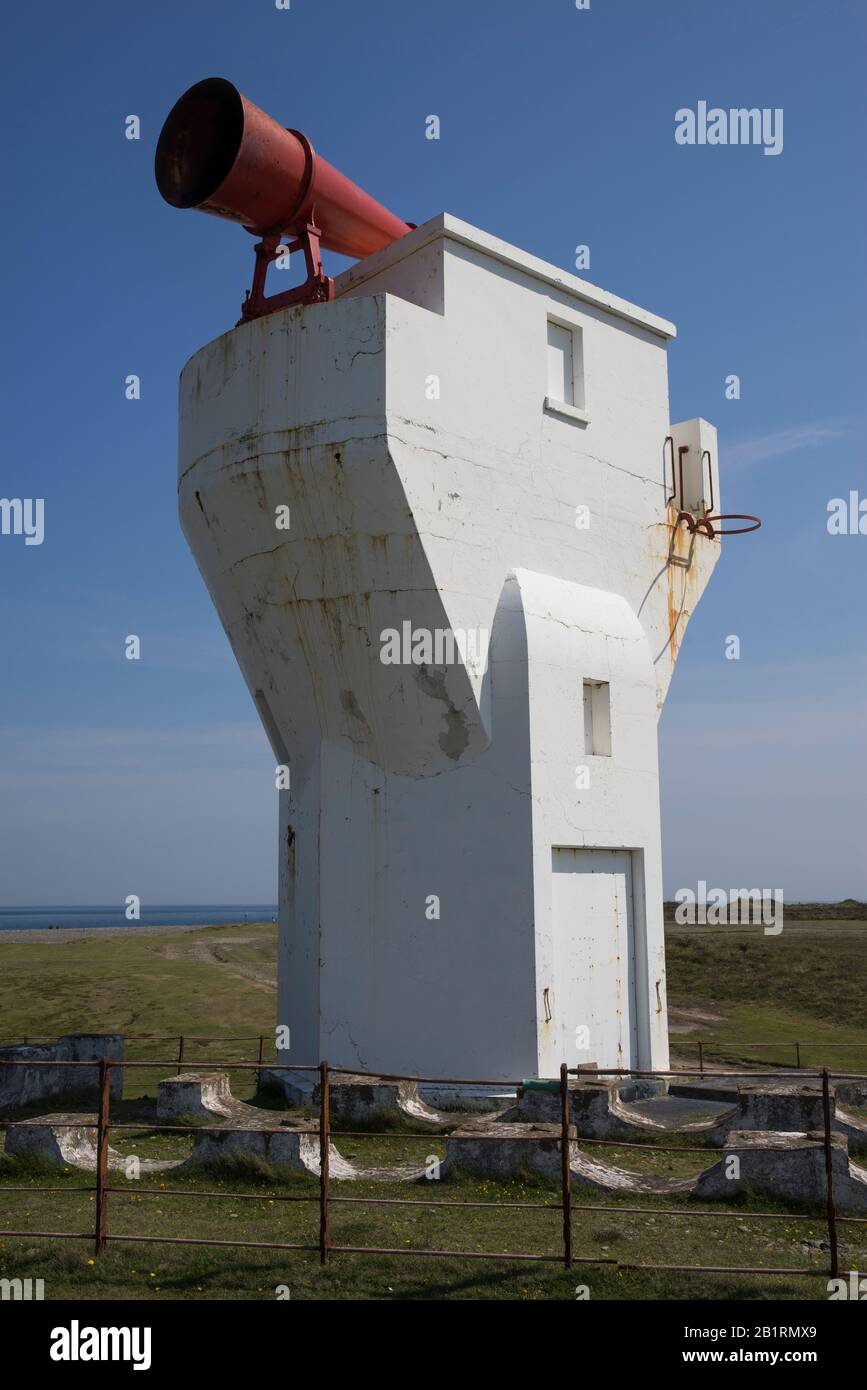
(153, 777)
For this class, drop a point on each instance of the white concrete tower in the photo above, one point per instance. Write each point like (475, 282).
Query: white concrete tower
(460, 646)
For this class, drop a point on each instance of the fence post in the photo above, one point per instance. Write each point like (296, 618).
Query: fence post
(324, 1129)
(829, 1173)
(565, 1168)
(798, 1055)
(102, 1156)
(261, 1057)
(180, 1053)
(700, 1057)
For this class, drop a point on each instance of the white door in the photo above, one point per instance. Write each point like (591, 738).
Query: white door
(594, 955)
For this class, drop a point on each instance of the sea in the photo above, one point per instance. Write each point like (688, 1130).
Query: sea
(160, 915)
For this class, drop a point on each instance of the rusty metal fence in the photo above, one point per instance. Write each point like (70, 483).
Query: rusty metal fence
(799, 1047)
(183, 1042)
(326, 1247)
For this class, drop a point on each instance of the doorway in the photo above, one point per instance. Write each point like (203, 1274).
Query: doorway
(593, 921)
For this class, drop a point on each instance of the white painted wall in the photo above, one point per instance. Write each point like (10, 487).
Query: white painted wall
(449, 507)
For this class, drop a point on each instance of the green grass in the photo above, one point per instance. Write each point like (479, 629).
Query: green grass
(807, 984)
(71, 1270)
(220, 980)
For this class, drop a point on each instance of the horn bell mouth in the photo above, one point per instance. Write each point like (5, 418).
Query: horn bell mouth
(199, 142)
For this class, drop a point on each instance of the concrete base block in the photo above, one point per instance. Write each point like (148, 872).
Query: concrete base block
(296, 1087)
(500, 1149)
(788, 1166)
(602, 1110)
(788, 1109)
(23, 1085)
(357, 1102)
(793, 1109)
(200, 1095)
(852, 1092)
(505, 1149)
(269, 1136)
(295, 1145)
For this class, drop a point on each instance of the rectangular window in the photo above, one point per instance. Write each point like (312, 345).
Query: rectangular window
(566, 395)
(597, 718)
(561, 370)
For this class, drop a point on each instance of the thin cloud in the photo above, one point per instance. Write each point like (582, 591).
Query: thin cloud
(779, 443)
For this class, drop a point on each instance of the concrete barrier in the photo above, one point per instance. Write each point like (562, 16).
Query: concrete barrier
(789, 1109)
(600, 1110)
(504, 1149)
(356, 1102)
(199, 1095)
(500, 1149)
(788, 1166)
(269, 1136)
(22, 1085)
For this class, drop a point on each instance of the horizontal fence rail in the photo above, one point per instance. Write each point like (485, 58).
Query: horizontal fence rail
(326, 1247)
(798, 1046)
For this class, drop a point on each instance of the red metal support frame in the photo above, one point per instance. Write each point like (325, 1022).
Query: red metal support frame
(318, 288)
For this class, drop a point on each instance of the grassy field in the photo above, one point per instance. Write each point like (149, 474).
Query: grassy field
(213, 981)
(737, 988)
(732, 988)
(725, 986)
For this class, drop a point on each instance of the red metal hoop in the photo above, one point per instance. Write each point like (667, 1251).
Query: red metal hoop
(705, 524)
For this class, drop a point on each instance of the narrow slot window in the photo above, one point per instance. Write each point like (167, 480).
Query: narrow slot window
(597, 718)
(561, 366)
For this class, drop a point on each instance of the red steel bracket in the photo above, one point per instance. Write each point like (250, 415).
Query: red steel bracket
(318, 288)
